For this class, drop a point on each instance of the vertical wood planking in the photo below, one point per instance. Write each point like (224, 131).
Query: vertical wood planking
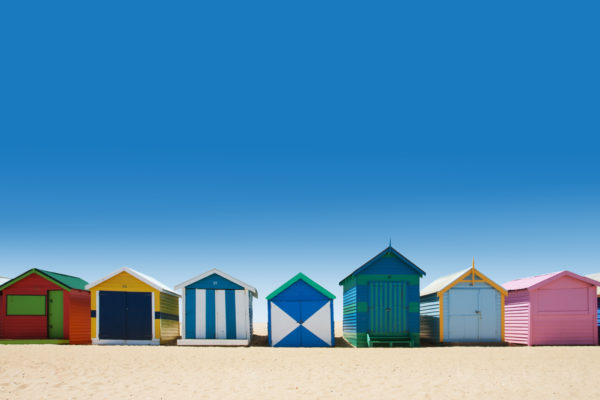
(220, 315)
(200, 325)
(241, 304)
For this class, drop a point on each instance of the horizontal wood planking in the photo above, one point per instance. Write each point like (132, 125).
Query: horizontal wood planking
(517, 317)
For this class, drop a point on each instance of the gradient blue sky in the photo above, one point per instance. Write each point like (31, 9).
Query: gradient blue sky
(269, 139)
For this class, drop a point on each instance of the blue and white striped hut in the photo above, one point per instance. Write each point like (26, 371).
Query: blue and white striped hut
(217, 310)
(301, 314)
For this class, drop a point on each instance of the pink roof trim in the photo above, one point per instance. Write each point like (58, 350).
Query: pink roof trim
(528, 283)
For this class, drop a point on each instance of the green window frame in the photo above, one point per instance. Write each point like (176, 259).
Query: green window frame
(25, 304)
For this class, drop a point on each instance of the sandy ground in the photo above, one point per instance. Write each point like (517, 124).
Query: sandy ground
(169, 372)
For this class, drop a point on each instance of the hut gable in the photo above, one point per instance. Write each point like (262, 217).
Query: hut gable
(215, 279)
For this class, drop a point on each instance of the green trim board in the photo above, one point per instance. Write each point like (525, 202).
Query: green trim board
(364, 279)
(19, 304)
(66, 282)
(308, 281)
(34, 341)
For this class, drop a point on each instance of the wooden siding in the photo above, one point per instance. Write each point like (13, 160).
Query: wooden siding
(79, 317)
(517, 317)
(169, 328)
(430, 318)
(124, 282)
(25, 326)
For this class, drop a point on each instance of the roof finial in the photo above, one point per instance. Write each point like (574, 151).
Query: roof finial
(390, 241)
(473, 263)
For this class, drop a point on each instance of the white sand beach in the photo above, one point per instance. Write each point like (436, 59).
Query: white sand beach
(170, 372)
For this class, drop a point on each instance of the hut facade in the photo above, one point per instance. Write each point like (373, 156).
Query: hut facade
(465, 306)
(596, 277)
(381, 301)
(217, 310)
(40, 306)
(301, 314)
(552, 309)
(128, 307)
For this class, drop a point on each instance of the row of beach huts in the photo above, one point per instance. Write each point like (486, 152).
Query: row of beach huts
(383, 306)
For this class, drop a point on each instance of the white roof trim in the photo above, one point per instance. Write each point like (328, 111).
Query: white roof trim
(142, 277)
(3, 279)
(595, 277)
(251, 289)
(442, 283)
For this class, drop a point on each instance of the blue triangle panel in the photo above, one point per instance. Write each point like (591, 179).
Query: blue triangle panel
(309, 339)
(291, 308)
(308, 308)
(291, 340)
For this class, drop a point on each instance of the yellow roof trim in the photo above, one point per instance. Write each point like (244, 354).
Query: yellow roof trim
(479, 274)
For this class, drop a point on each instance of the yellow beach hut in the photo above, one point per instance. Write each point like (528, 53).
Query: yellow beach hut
(128, 307)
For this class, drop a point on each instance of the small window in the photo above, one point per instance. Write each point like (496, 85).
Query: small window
(25, 305)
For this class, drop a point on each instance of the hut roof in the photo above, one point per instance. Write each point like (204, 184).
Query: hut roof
(142, 277)
(307, 280)
(446, 282)
(388, 250)
(3, 279)
(251, 289)
(595, 277)
(67, 282)
(535, 281)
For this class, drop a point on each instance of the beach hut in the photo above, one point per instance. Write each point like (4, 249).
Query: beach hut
(217, 310)
(465, 306)
(129, 307)
(300, 314)
(551, 309)
(596, 277)
(40, 306)
(381, 301)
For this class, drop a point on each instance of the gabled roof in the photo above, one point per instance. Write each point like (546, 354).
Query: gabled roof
(142, 277)
(388, 250)
(66, 282)
(539, 280)
(251, 289)
(444, 283)
(595, 277)
(305, 279)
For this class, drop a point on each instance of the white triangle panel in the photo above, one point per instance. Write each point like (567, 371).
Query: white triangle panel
(320, 323)
(281, 324)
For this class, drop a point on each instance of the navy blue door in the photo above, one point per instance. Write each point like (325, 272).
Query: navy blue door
(113, 315)
(125, 315)
(139, 316)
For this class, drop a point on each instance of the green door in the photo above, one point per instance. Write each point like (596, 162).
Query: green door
(55, 314)
(387, 307)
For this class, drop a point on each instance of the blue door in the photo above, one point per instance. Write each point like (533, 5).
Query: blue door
(125, 316)
(472, 315)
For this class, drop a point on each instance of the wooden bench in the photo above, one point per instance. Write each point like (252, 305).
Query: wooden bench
(390, 340)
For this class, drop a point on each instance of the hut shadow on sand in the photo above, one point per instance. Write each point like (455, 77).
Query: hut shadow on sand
(263, 341)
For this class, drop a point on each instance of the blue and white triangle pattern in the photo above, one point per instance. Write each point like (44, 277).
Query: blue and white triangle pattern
(319, 324)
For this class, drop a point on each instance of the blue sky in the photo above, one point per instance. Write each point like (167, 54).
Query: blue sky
(269, 139)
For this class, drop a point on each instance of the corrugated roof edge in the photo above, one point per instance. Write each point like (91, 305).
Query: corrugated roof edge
(206, 274)
(310, 282)
(387, 250)
(533, 282)
(144, 278)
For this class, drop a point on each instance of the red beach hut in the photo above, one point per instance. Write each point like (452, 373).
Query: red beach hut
(44, 307)
(551, 309)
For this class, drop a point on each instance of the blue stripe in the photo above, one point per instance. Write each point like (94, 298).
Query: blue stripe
(93, 314)
(230, 313)
(190, 313)
(210, 314)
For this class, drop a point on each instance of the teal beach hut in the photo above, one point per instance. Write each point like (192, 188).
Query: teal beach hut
(381, 301)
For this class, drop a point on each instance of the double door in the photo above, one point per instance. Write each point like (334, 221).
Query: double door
(387, 307)
(473, 315)
(125, 315)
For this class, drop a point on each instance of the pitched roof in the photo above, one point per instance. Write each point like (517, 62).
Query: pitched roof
(595, 277)
(535, 281)
(142, 277)
(251, 289)
(388, 250)
(3, 279)
(307, 280)
(444, 283)
(67, 282)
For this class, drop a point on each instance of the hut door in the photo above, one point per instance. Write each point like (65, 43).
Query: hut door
(387, 307)
(55, 314)
(488, 315)
(463, 316)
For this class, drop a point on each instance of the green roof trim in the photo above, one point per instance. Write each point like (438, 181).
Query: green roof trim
(308, 281)
(66, 282)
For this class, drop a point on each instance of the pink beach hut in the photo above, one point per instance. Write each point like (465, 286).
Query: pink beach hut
(552, 309)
